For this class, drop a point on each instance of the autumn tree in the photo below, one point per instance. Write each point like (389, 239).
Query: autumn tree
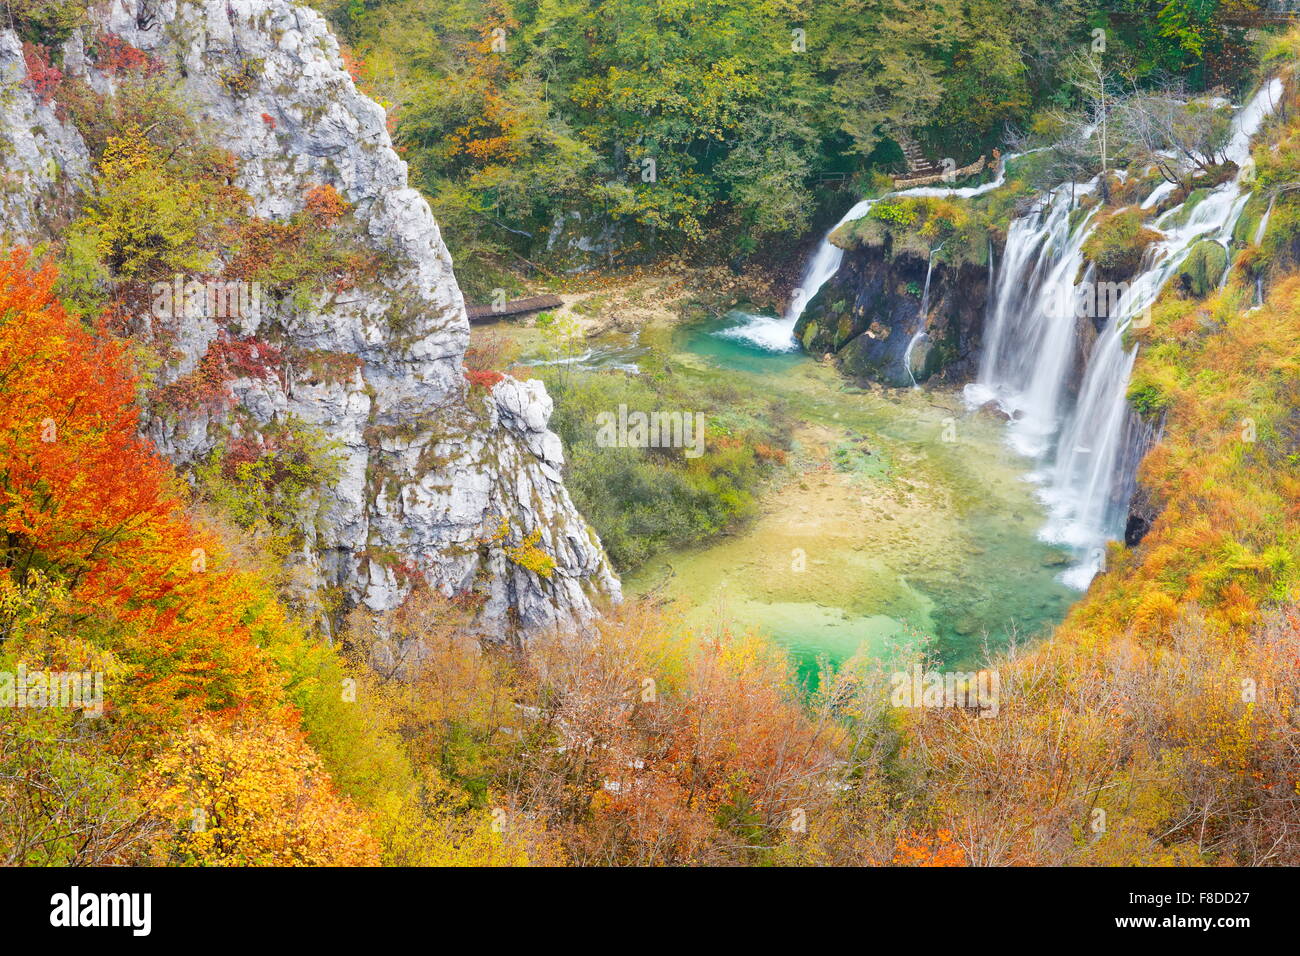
(102, 571)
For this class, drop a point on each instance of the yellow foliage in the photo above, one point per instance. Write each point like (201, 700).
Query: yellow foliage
(249, 795)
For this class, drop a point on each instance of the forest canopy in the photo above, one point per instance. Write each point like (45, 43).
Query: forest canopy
(723, 126)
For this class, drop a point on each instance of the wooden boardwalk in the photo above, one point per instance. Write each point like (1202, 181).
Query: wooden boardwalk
(536, 303)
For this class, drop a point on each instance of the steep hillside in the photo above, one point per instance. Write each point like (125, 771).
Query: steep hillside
(357, 335)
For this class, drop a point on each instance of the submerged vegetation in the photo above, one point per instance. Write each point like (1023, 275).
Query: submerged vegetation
(644, 500)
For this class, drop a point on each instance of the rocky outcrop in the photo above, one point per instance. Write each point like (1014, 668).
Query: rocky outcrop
(869, 312)
(431, 471)
(44, 162)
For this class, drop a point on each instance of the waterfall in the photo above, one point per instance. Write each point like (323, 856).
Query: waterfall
(993, 275)
(1031, 335)
(1263, 220)
(925, 294)
(922, 317)
(777, 335)
(1089, 470)
(907, 356)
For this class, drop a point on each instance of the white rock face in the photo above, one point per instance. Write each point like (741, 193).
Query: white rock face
(41, 159)
(430, 468)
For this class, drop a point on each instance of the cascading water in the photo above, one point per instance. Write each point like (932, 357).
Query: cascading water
(922, 317)
(1091, 477)
(907, 356)
(1032, 330)
(777, 335)
(1262, 228)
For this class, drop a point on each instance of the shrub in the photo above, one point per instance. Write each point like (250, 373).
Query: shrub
(48, 22)
(643, 500)
(323, 205)
(270, 478)
(148, 221)
(252, 795)
(1118, 242)
(243, 78)
(116, 56)
(44, 76)
(485, 379)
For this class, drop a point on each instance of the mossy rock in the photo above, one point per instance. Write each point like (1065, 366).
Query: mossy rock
(1203, 268)
(809, 336)
(1118, 242)
(918, 225)
(1194, 199)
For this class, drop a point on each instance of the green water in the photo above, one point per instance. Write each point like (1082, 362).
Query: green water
(701, 339)
(916, 521)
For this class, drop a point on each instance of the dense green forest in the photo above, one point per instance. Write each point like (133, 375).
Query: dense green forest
(722, 129)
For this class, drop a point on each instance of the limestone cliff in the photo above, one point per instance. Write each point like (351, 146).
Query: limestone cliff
(430, 469)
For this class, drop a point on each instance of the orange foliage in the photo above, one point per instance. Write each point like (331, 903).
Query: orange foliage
(492, 136)
(253, 796)
(84, 499)
(485, 378)
(90, 512)
(44, 76)
(324, 205)
(117, 56)
(917, 849)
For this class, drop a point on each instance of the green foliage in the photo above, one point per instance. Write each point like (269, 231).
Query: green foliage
(1203, 267)
(1182, 36)
(161, 198)
(1118, 242)
(953, 231)
(699, 127)
(83, 275)
(1147, 398)
(642, 501)
(900, 212)
(146, 220)
(271, 479)
(48, 22)
(988, 88)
